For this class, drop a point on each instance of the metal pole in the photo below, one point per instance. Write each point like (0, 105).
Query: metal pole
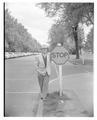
(60, 79)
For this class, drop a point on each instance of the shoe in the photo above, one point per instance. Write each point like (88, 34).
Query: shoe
(43, 98)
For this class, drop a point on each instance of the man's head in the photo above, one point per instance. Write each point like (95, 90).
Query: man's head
(44, 50)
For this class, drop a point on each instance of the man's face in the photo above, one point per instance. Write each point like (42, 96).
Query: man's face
(44, 51)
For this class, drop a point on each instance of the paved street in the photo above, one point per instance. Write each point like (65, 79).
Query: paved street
(22, 89)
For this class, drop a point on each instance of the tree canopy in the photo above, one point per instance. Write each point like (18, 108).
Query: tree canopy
(90, 40)
(81, 37)
(17, 38)
(71, 12)
(68, 16)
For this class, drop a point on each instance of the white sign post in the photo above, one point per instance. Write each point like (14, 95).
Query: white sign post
(60, 56)
(60, 79)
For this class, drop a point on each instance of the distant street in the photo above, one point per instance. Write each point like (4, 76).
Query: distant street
(22, 89)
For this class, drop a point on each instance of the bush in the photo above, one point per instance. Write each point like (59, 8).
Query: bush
(72, 51)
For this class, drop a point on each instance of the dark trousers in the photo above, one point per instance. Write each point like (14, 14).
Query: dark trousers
(43, 83)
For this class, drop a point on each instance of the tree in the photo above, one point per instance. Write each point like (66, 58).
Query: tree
(81, 38)
(56, 34)
(90, 40)
(17, 38)
(70, 14)
(59, 34)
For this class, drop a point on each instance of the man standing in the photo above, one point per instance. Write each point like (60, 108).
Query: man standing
(43, 71)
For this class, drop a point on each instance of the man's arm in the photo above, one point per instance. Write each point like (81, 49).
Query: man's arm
(51, 61)
(36, 62)
(50, 57)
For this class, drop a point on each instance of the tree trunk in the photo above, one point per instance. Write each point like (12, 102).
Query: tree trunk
(61, 43)
(77, 49)
(76, 42)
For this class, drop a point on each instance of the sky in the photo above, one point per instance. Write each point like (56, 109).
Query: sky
(33, 18)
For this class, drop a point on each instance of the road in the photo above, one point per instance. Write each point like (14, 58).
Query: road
(21, 85)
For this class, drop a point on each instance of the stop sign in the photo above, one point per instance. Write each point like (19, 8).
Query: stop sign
(59, 55)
